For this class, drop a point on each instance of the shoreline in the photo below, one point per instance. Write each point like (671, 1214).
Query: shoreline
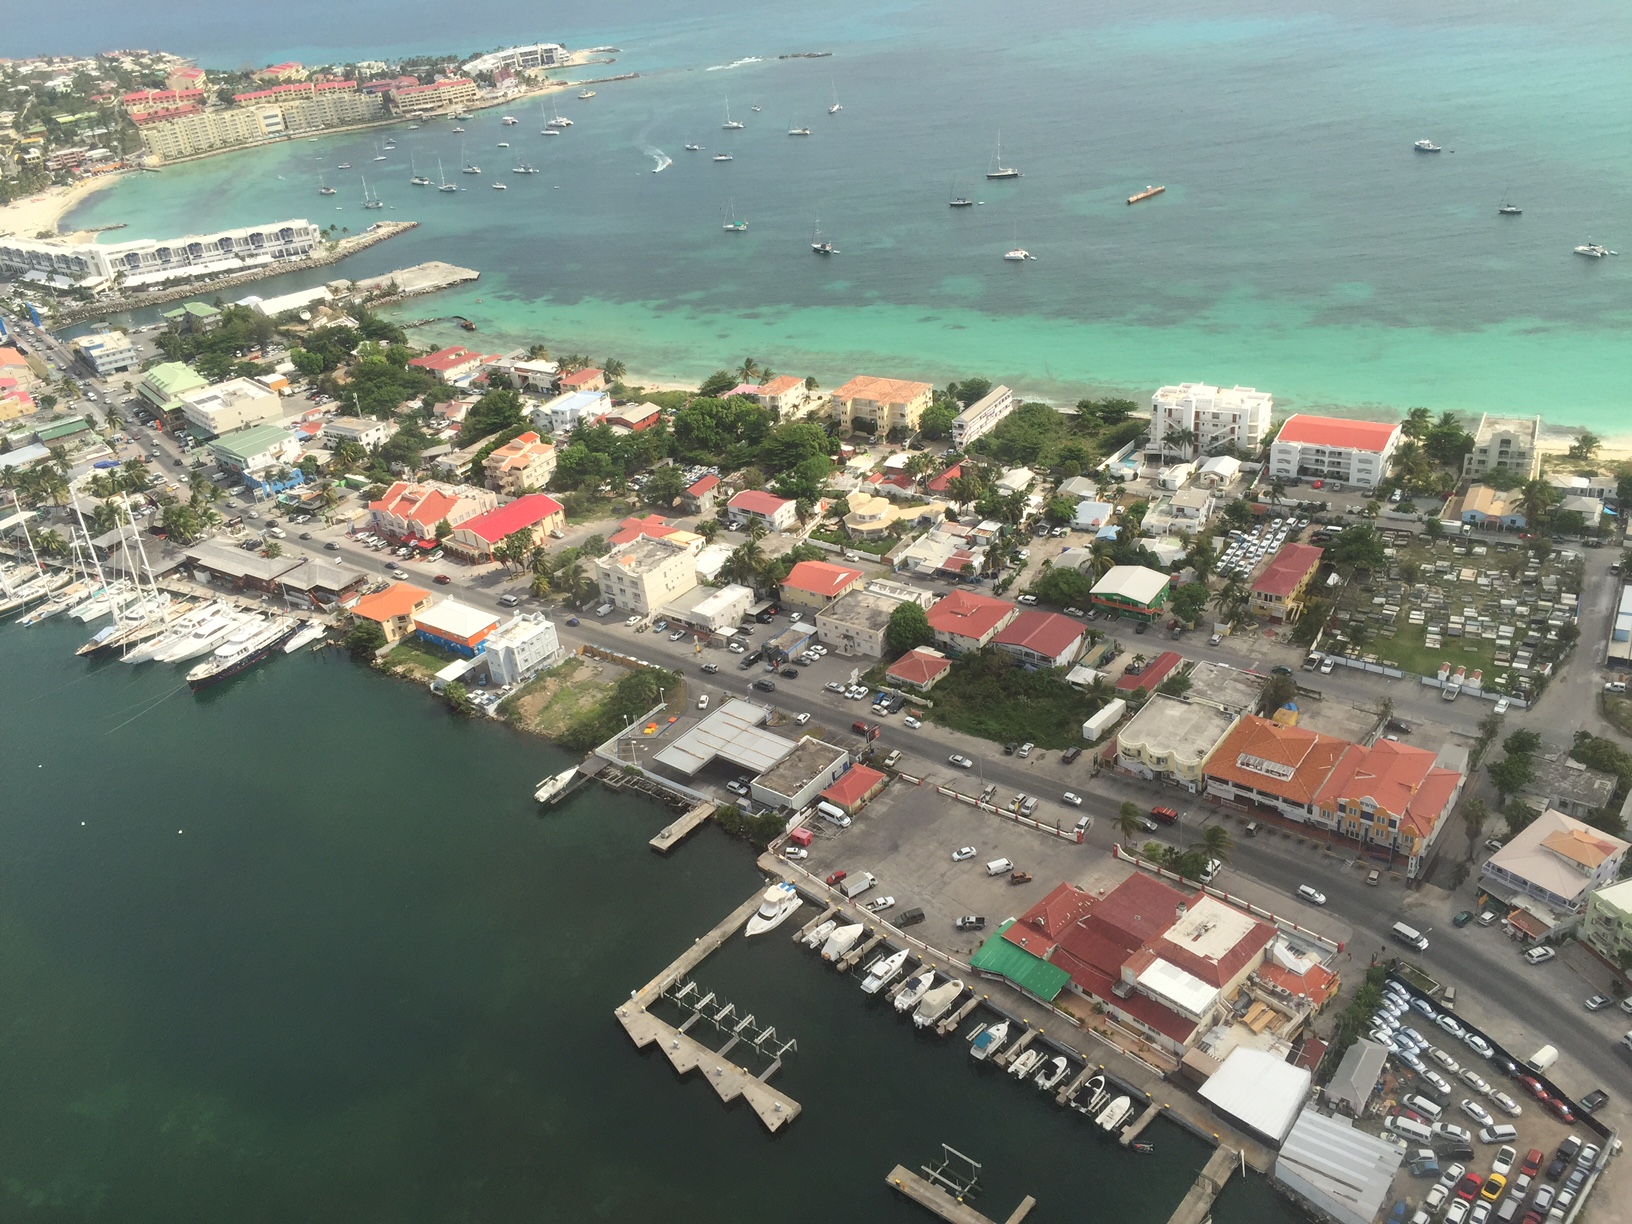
(44, 211)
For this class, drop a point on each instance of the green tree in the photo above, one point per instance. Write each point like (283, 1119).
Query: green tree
(664, 486)
(1510, 775)
(1522, 743)
(364, 638)
(1585, 446)
(458, 698)
(1176, 685)
(1416, 424)
(614, 369)
(1535, 500)
(936, 421)
(1277, 691)
(444, 529)
(908, 628)
(1215, 843)
(1127, 821)
(273, 550)
(720, 380)
(1189, 601)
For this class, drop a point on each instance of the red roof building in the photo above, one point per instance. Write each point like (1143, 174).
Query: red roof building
(921, 669)
(1152, 674)
(583, 380)
(699, 497)
(855, 787)
(535, 514)
(777, 513)
(965, 622)
(653, 527)
(411, 511)
(815, 584)
(632, 418)
(1279, 591)
(1333, 448)
(393, 609)
(1042, 639)
(453, 364)
(938, 484)
(1162, 960)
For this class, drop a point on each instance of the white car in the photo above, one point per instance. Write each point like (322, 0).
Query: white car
(1501, 706)
(702, 702)
(1426, 1008)
(736, 648)
(1449, 1024)
(964, 854)
(1474, 1080)
(1440, 1084)
(961, 761)
(1435, 1198)
(878, 904)
(796, 852)
(1445, 1060)
(1537, 956)
(1477, 1112)
(631, 622)
(1502, 1162)
(1457, 1213)
(1506, 1104)
(801, 720)
(677, 635)
(1311, 895)
(910, 721)
(1453, 1132)
(1071, 797)
(1478, 1045)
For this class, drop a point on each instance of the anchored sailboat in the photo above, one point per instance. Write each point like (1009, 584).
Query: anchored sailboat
(998, 170)
(819, 244)
(732, 225)
(730, 124)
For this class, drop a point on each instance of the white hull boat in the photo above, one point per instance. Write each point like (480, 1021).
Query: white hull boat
(554, 785)
(883, 971)
(1051, 1075)
(1113, 1114)
(178, 632)
(937, 1003)
(819, 936)
(1090, 1096)
(64, 600)
(988, 1040)
(780, 900)
(1025, 1063)
(101, 604)
(311, 633)
(914, 991)
(205, 637)
(841, 941)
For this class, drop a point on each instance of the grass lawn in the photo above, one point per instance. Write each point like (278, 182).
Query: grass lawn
(988, 696)
(586, 509)
(417, 659)
(1406, 649)
(548, 704)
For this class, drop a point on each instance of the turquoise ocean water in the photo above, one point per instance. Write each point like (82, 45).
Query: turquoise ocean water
(1301, 246)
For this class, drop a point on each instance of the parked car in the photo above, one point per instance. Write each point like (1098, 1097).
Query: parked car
(971, 922)
(1537, 956)
(961, 761)
(708, 669)
(963, 854)
(1311, 895)
(1597, 1002)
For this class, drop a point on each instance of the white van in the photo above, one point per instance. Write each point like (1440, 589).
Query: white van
(1408, 1129)
(1423, 1106)
(1409, 936)
(834, 814)
(1500, 1133)
(998, 867)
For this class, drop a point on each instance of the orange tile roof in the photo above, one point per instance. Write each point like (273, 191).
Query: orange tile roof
(919, 667)
(520, 452)
(821, 578)
(398, 599)
(1336, 432)
(853, 785)
(780, 385)
(1299, 762)
(881, 390)
(1579, 846)
(968, 615)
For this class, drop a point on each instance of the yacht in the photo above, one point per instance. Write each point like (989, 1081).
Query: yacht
(882, 972)
(419, 180)
(509, 121)
(343, 166)
(101, 603)
(988, 1040)
(371, 199)
(694, 148)
(555, 120)
(821, 245)
(937, 1003)
(997, 170)
(1425, 146)
(1113, 1114)
(586, 95)
(230, 660)
(719, 157)
(780, 900)
(732, 225)
(1018, 255)
(1024, 1063)
(914, 990)
(503, 144)
(835, 108)
(179, 630)
(1593, 250)
(794, 130)
(554, 785)
(501, 187)
(730, 124)
(325, 189)
(459, 130)
(819, 936)
(1509, 210)
(841, 941)
(756, 108)
(232, 628)
(522, 168)
(442, 183)
(313, 631)
(1050, 1076)
(468, 167)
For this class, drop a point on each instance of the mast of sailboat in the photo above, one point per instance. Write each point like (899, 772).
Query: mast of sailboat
(157, 613)
(29, 539)
(101, 580)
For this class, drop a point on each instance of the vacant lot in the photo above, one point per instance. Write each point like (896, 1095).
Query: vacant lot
(547, 705)
(414, 659)
(987, 695)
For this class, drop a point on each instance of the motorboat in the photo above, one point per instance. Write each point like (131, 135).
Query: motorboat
(780, 900)
(914, 990)
(1425, 146)
(509, 121)
(1142, 1145)
(1024, 1063)
(798, 131)
(937, 1003)
(523, 168)
(343, 166)
(1052, 1073)
(819, 936)
(1112, 1115)
(1593, 250)
(231, 660)
(1018, 255)
(586, 95)
(503, 144)
(501, 186)
(205, 637)
(882, 971)
(722, 157)
(988, 1040)
(694, 148)
(553, 785)
(1090, 1096)
(180, 630)
(841, 941)
(313, 631)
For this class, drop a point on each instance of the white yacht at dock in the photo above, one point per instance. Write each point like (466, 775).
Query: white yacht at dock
(780, 900)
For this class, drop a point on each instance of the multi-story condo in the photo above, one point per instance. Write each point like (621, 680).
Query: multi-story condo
(150, 261)
(1505, 443)
(982, 416)
(225, 407)
(523, 463)
(519, 59)
(881, 404)
(434, 98)
(1329, 448)
(1194, 419)
(644, 574)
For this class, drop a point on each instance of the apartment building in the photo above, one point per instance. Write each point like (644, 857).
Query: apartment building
(982, 416)
(1217, 418)
(1279, 591)
(878, 405)
(454, 365)
(1552, 866)
(254, 450)
(412, 510)
(786, 396)
(521, 464)
(1510, 444)
(108, 353)
(366, 432)
(435, 98)
(777, 513)
(149, 261)
(642, 576)
(1328, 448)
(235, 404)
(520, 647)
(519, 59)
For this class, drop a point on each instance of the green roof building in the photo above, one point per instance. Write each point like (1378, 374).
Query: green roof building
(193, 317)
(255, 449)
(1000, 958)
(62, 429)
(163, 385)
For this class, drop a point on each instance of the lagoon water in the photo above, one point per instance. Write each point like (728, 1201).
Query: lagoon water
(1301, 246)
(301, 948)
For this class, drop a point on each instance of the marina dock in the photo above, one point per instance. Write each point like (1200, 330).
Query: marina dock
(858, 953)
(673, 834)
(956, 1018)
(1197, 1205)
(932, 1198)
(730, 1081)
(1015, 1047)
(1137, 1127)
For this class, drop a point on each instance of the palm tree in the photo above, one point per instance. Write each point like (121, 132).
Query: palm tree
(1536, 499)
(1127, 821)
(1182, 440)
(613, 369)
(745, 564)
(749, 371)
(1417, 423)
(1474, 816)
(1215, 843)
(1231, 599)
(541, 585)
(50, 542)
(757, 531)
(811, 384)
(1202, 559)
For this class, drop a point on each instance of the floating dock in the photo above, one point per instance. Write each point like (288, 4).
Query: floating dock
(932, 1198)
(673, 834)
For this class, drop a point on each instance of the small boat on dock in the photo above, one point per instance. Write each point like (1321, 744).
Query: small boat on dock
(1147, 194)
(1052, 1073)
(883, 972)
(841, 941)
(1113, 1114)
(553, 785)
(914, 990)
(937, 1003)
(312, 632)
(1024, 1063)
(819, 936)
(1090, 1096)
(780, 900)
(988, 1040)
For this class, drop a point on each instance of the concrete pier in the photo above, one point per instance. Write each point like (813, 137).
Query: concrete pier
(956, 1018)
(815, 922)
(932, 1198)
(1137, 1127)
(858, 953)
(1197, 1205)
(1015, 1047)
(1067, 1094)
(673, 834)
(775, 1109)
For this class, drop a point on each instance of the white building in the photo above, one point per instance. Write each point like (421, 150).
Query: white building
(520, 647)
(1330, 448)
(366, 432)
(1511, 444)
(709, 611)
(645, 574)
(855, 623)
(235, 404)
(982, 416)
(519, 59)
(1219, 419)
(108, 353)
(255, 449)
(562, 414)
(149, 261)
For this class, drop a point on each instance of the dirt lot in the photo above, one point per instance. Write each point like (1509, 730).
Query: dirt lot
(548, 704)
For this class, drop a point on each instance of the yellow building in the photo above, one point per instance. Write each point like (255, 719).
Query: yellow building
(881, 404)
(521, 464)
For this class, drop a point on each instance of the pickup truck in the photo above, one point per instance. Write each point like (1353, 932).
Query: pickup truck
(971, 922)
(854, 886)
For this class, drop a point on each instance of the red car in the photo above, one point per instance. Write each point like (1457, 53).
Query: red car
(1164, 814)
(1533, 1160)
(1563, 1111)
(1533, 1087)
(836, 877)
(1468, 1187)
(1532, 1217)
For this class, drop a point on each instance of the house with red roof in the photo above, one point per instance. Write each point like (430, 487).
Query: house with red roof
(1041, 639)
(1150, 675)
(699, 497)
(1279, 591)
(920, 668)
(937, 484)
(454, 365)
(855, 786)
(583, 380)
(815, 584)
(777, 513)
(653, 527)
(965, 622)
(1164, 960)
(1333, 448)
(411, 510)
(393, 609)
(632, 418)
(533, 516)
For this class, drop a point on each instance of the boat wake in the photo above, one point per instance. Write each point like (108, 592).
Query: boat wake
(663, 160)
(747, 59)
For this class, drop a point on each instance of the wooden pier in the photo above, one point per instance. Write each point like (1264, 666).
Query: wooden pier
(932, 1198)
(673, 834)
(1197, 1205)
(775, 1109)
(1137, 1127)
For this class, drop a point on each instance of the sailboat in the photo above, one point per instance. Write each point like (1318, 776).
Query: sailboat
(555, 120)
(323, 188)
(522, 168)
(469, 167)
(958, 201)
(732, 225)
(1504, 209)
(442, 179)
(730, 124)
(821, 245)
(998, 170)
(419, 180)
(371, 199)
(1018, 254)
(379, 152)
(835, 108)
